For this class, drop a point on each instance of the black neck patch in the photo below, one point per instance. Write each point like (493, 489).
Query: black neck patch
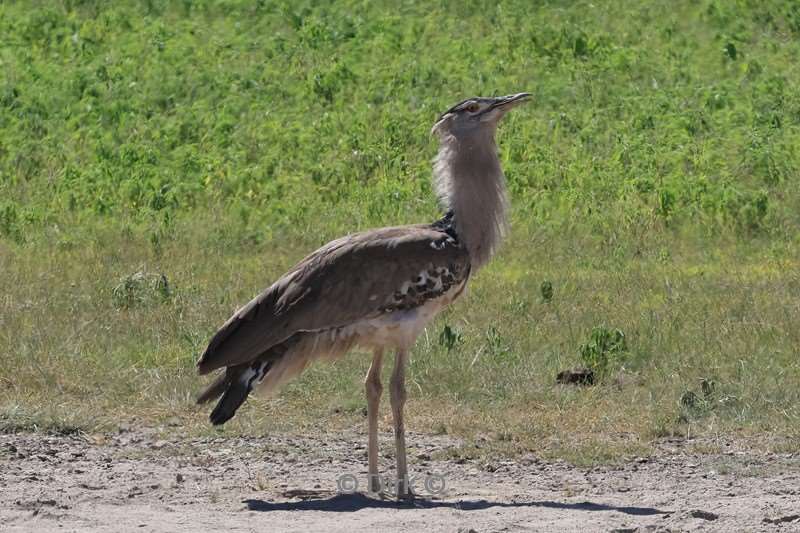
(447, 225)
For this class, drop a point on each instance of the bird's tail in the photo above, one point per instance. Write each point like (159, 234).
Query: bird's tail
(234, 386)
(270, 371)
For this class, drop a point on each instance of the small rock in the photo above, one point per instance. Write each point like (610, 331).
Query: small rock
(424, 456)
(529, 459)
(179, 478)
(576, 376)
(783, 519)
(705, 515)
(91, 487)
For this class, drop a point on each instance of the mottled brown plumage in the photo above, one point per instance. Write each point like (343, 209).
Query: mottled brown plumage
(329, 289)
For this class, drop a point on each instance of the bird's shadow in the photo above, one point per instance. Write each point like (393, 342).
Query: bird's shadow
(348, 503)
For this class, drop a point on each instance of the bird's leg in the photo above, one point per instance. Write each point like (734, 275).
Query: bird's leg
(398, 399)
(374, 390)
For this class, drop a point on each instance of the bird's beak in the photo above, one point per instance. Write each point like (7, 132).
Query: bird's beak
(507, 102)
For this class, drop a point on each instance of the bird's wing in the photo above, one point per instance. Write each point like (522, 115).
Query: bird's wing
(350, 279)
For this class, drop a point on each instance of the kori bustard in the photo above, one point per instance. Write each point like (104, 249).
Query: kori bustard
(377, 289)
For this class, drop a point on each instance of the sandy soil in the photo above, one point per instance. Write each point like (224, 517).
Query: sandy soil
(134, 481)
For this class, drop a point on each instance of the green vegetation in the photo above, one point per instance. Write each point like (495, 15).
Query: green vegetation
(605, 347)
(161, 162)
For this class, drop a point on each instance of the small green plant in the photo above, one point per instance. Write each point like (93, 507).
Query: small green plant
(605, 346)
(494, 342)
(10, 225)
(730, 51)
(450, 337)
(546, 290)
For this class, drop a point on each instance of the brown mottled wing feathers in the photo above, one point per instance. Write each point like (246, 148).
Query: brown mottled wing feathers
(347, 280)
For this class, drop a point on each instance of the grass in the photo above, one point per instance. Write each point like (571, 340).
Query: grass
(161, 162)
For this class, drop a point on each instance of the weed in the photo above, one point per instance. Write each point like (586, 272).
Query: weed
(495, 344)
(605, 349)
(141, 288)
(449, 338)
(546, 290)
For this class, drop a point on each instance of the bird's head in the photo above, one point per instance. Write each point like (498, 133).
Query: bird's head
(477, 115)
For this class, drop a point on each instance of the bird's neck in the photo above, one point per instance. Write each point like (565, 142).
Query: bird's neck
(470, 183)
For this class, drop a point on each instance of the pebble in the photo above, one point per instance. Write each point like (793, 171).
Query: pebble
(705, 515)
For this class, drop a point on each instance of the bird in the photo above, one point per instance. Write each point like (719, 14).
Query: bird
(377, 289)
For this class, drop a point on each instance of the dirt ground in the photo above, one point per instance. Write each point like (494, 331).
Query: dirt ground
(136, 481)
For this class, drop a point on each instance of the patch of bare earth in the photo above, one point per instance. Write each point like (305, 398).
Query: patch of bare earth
(136, 481)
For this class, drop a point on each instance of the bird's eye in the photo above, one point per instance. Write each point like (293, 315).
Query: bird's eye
(472, 108)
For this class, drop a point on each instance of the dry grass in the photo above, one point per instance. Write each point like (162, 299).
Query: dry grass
(79, 356)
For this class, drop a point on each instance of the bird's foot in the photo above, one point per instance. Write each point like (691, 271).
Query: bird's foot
(382, 491)
(381, 495)
(406, 495)
(374, 484)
